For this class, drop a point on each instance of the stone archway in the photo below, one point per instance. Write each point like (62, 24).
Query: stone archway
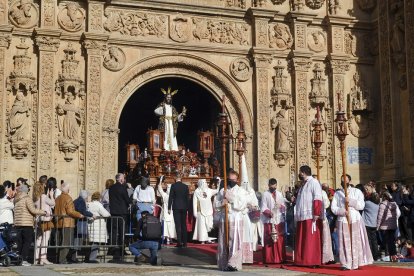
(194, 68)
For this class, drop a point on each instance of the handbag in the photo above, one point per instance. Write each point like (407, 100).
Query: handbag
(254, 215)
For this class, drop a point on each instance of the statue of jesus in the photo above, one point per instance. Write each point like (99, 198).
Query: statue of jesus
(169, 119)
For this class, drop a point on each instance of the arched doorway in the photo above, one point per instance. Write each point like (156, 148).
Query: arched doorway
(191, 67)
(138, 113)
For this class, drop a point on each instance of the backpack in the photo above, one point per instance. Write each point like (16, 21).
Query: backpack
(151, 228)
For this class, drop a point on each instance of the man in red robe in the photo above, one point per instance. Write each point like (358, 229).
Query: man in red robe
(273, 209)
(308, 214)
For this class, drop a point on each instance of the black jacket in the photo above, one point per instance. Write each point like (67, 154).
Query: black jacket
(178, 197)
(80, 206)
(118, 199)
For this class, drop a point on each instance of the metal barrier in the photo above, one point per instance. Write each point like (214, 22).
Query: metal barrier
(104, 233)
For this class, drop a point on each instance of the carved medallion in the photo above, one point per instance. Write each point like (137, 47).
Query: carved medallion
(24, 14)
(240, 69)
(367, 5)
(72, 17)
(314, 4)
(316, 41)
(180, 28)
(280, 37)
(114, 59)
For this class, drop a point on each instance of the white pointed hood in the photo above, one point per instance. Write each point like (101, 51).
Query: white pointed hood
(245, 184)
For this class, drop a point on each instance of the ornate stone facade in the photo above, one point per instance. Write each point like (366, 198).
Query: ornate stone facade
(275, 60)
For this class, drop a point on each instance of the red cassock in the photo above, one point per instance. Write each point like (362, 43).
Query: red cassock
(308, 246)
(273, 252)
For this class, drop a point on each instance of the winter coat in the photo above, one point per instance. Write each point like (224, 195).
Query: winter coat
(97, 228)
(64, 207)
(47, 205)
(24, 210)
(388, 214)
(6, 211)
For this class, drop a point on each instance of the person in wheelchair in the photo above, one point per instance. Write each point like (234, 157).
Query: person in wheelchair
(149, 233)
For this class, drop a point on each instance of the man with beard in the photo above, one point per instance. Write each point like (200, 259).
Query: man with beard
(178, 201)
(308, 211)
(144, 196)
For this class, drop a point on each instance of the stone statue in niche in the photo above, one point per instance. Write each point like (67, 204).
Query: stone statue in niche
(240, 69)
(316, 41)
(280, 123)
(71, 18)
(358, 108)
(69, 124)
(19, 121)
(24, 14)
(280, 37)
(114, 60)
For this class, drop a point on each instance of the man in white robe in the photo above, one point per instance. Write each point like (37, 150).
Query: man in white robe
(166, 218)
(327, 253)
(230, 258)
(354, 250)
(169, 119)
(203, 211)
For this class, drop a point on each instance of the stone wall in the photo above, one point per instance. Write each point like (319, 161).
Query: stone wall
(68, 67)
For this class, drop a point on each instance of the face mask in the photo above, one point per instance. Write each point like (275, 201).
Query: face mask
(272, 190)
(301, 177)
(232, 183)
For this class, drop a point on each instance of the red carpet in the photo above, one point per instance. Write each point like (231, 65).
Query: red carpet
(211, 249)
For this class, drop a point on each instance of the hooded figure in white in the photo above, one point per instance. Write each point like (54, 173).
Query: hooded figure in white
(169, 225)
(203, 211)
(250, 228)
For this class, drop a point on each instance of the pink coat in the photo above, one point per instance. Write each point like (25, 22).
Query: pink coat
(388, 214)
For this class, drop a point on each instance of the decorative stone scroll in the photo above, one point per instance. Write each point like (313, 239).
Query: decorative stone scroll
(24, 14)
(136, 24)
(240, 69)
(316, 41)
(280, 95)
(314, 4)
(220, 31)
(280, 37)
(72, 17)
(114, 59)
(22, 84)
(358, 107)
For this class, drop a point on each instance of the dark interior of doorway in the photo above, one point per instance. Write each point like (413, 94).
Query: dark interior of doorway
(138, 114)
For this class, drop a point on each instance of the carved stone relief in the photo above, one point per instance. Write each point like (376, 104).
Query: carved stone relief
(69, 86)
(72, 17)
(397, 41)
(261, 33)
(298, 5)
(314, 4)
(300, 36)
(235, 3)
(318, 95)
(280, 95)
(338, 39)
(3, 6)
(334, 7)
(138, 24)
(367, 5)
(95, 17)
(316, 41)
(24, 14)
(281, 125)
(240, 69)
(22, 84)
(48, 15)
(358, 107)
(280, 37)
(180, 28)
(114, 59)
(223, 32)
(277, 2)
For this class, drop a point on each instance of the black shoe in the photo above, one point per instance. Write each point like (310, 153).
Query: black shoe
(74, 261)
(116, 261)
(343, 268)
(315, 266)
(92, 261)
(331, 262)
(230, 268)
(65, 262)
(140, 259)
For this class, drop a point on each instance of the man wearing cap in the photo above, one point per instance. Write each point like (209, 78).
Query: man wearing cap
(24, 211)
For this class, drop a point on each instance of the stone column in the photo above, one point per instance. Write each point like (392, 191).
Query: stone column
(4, 45)
(109, 153)
(300, 68)
(386, 97)
(48, 42)
(48, 13)
(94, 45)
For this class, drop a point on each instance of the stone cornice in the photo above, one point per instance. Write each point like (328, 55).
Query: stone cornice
(47, 39)
(94, 43)
(339, 64)
(339, 20)
(260, 13)
(181, 7)
(302, 17)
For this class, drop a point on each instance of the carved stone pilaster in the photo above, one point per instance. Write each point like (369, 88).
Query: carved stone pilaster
(3, 12)
(95, 15)
(385, 82)
(48, 14)
(109, 150)
(4, 45)
(262, 63)
(95, 45)
(409, 30)
(47, 43)
(300, 67)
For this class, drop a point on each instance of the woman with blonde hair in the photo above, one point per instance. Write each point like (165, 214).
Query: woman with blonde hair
(44, 200)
